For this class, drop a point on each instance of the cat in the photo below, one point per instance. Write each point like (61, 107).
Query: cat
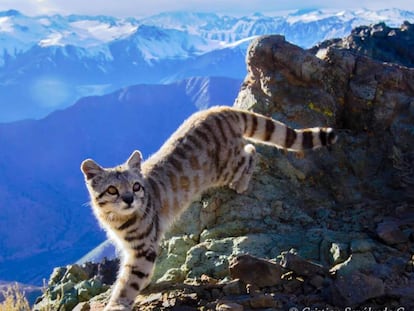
(137, 201)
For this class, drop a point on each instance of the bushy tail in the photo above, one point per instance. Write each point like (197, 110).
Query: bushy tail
(266, 130)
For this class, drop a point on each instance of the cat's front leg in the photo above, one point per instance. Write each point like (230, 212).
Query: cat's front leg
(135, 274)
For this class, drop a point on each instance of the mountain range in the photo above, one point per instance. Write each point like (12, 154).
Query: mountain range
(66, 95)
(59, 59)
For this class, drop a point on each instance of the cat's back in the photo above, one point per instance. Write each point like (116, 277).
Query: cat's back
(204, 130)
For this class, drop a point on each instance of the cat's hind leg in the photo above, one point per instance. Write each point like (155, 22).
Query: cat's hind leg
(244, 169)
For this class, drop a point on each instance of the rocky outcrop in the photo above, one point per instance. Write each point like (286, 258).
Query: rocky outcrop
(74, 284)
(379, 42)
(338, 224)
(350, 210)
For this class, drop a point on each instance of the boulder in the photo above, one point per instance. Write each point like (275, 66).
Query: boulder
(301, 266)
(390, 233)
(356, 288)
(379, 42)
(255, 271)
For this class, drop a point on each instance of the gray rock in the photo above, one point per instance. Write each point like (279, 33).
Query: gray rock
(355, 262)
(57, 275)
(301, 266)
(355, 289)
(262, 301)
(362, 246)
(255, 271)
(339, 252)
(390, 233)
(234, 288)
(317, 281)
(379, 42)
(229, 306)
(83, 306)
(75, 274)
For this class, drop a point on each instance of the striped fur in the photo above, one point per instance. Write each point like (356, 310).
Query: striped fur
(136, 202)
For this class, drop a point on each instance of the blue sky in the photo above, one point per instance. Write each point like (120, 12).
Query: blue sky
(137, 8)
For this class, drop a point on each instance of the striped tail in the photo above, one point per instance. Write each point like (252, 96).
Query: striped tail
(268, 131)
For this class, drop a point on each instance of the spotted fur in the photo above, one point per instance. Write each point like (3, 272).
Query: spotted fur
(137, 201)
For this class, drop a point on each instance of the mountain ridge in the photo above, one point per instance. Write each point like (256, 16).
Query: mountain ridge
(59, 59)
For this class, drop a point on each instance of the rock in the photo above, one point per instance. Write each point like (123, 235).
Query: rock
(339, 252)
(379, 42)
(97, 287)
(301, 266)
(172, 257)
(69, 301)
(229, 306)
(107, 271)
(292, 284)
(255, 271)
(362, 246)
(75, 274)
(62, 288)
(317, 281)
(83, 306)
(234, 288)
(355, 262)
(97, 306)
(56, 275)
(174, 275)
(209, 258)
(84, 291)
(355, 289)
(262, 302)
(390, 233)
(70, 285)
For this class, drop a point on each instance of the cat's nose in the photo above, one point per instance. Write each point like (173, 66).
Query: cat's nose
(128, 198)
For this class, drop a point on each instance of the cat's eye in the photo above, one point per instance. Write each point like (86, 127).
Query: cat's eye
(136, 187)
(112, 190)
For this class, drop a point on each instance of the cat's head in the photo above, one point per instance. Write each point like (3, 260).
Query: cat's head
(117, 192)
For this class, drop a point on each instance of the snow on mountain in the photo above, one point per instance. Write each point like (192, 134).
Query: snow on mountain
(157, 43)
(58, 59)
(88, 55)
(19, 32)
(319, 23)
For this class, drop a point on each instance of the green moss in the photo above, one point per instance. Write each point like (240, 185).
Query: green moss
(327, 112)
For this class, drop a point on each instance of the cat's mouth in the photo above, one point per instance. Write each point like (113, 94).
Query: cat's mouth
(128, 209)
(128, 206)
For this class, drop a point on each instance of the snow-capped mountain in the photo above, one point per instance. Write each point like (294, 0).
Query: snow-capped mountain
(18, 33)
(304, 27)
(58, 59)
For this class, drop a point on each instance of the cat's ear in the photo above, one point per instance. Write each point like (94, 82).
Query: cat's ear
(134, 161)
(90, 169)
